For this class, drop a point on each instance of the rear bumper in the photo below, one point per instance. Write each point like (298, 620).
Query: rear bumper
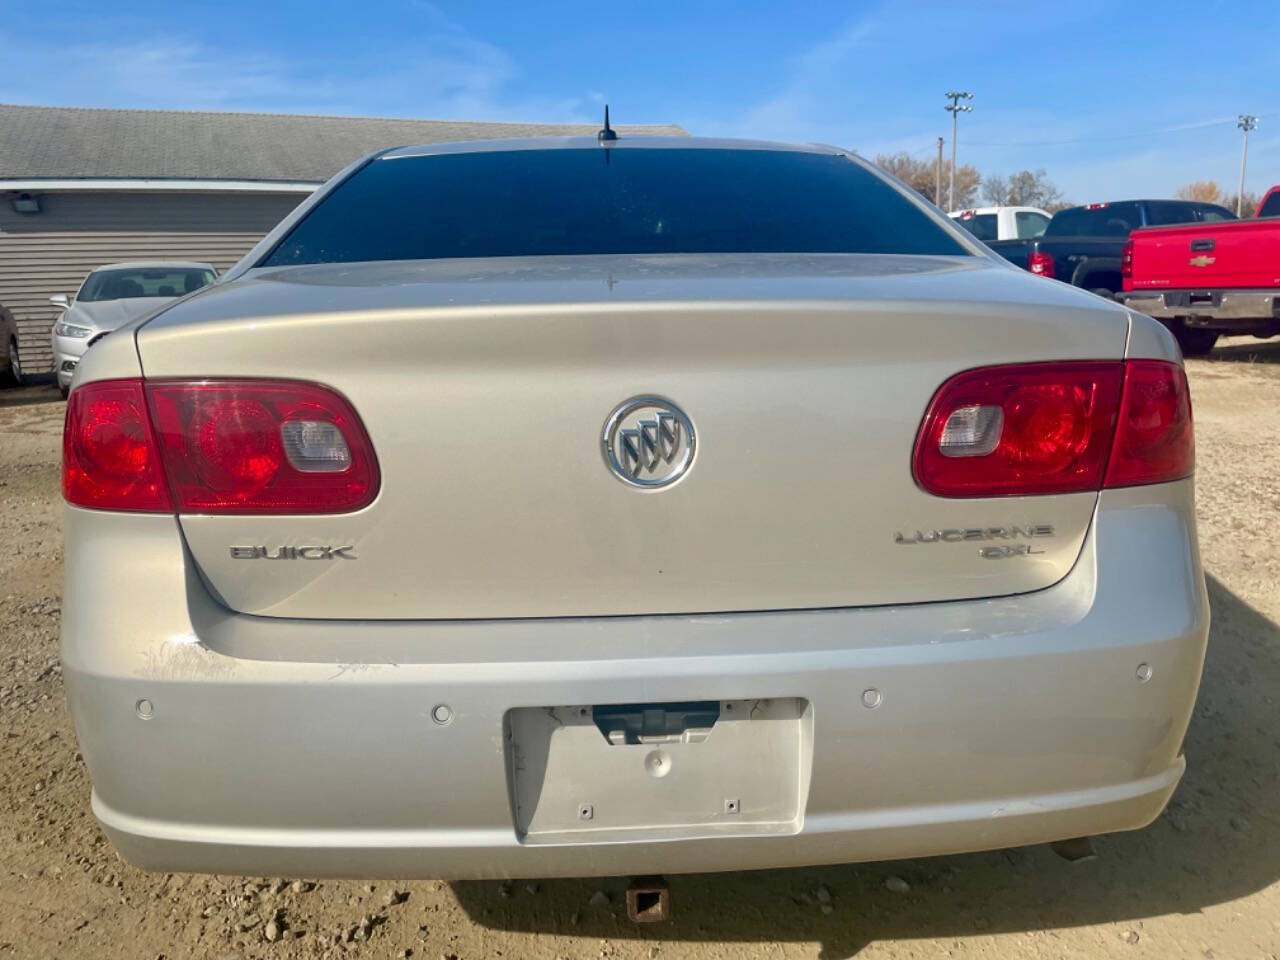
(1244, 310)
(998, 722)
(494, 852)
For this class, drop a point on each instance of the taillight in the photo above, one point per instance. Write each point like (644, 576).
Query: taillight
(259, 446)
(1040, 263)
(1126, 261)
(1046, 428)
(1033, 428)
(1154, 441)
(216, 446)
(110, 460)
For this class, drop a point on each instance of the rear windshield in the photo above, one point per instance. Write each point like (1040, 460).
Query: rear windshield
(1030, 223)
(130, 282)
(1110, 220)
(981, 225)
(1271, 206)
(563, 202)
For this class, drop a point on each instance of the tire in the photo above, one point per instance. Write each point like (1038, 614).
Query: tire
(15, 364)
(1102, 292)
(65, 391)
(1194, 343)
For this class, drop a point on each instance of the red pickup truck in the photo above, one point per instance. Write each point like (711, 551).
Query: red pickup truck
(1205, 280)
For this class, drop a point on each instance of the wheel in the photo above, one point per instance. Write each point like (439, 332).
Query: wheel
(65, 391)
(1194, 343)
(1103, 292)
(15, 363)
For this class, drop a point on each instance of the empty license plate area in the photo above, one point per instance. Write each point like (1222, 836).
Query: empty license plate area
(663, 770)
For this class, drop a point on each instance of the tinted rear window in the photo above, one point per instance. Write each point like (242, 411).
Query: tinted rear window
(1112, 220)
(981, 225)
(1211, 213)
(561, 202)
(1164, 213)
(1030, 223)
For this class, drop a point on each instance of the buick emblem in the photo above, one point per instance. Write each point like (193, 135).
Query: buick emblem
(648, 442)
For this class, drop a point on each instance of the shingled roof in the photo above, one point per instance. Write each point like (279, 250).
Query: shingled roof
(76, 142)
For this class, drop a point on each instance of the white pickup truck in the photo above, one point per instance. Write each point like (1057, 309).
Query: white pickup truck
(1002, 223)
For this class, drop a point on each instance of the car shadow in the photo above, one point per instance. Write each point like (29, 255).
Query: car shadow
(42, 390)
(1241, 350)
(1217, 841)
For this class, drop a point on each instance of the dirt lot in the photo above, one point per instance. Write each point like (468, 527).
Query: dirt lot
(1203, 881)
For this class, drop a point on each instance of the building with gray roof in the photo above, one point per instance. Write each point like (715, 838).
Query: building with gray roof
(83, 187)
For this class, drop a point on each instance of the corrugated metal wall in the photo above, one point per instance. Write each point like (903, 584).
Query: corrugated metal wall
(50, 252)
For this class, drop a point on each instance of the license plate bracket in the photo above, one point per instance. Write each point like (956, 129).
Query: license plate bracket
(661, 770)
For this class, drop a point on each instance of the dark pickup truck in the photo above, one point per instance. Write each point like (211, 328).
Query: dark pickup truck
(1083, 246)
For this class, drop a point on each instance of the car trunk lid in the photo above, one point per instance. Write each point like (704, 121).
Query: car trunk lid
(486, 388)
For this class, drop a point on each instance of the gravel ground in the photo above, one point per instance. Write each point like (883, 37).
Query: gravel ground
(1203, 881)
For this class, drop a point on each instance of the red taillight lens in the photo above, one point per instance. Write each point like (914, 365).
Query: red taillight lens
(1126, 261)
(1053, 436)
(110, 460)
(210, 446)
(1047, 428)
(1154, 441)
(251, 446)
(1040, 263)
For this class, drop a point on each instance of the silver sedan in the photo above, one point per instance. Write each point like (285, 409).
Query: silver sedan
(576, 506)
(112, 296)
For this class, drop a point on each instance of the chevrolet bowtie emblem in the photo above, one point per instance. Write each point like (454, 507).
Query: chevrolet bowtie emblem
(1201, 261)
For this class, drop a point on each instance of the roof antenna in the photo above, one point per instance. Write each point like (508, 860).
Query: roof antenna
(606, 132)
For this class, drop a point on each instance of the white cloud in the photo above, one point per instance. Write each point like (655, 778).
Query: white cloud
(162, 71)
(802, 107)
(797, 110)
(441, 72)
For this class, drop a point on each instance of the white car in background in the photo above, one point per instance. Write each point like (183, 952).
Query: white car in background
(10, 362)
(113, 295)
(1002, 223)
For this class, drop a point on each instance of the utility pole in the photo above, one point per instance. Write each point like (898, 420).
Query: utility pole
(955, 108)
(1246, 122)
(937, 176)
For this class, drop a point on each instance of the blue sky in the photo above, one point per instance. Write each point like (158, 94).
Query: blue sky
(1112, 99)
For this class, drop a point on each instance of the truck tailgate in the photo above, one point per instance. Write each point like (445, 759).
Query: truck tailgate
(1235, 254)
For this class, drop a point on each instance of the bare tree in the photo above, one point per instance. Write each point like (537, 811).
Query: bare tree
(995, 189)
(1202, 191)
(920, 176)
(1250, 204)
(1026, 188)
